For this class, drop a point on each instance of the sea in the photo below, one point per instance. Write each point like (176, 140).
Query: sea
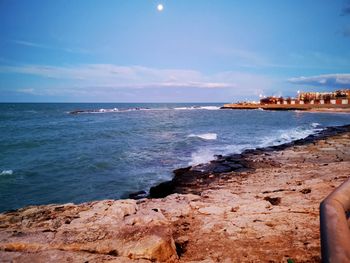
(109, 150)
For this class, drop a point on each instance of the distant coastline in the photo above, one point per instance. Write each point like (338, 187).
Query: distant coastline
(337, 101)
(286, 107)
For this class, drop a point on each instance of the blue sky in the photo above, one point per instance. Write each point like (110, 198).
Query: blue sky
(192, 51)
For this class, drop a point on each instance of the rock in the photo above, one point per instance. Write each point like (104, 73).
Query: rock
(222, 169)
(62, 256)
(180, 171)
(235, 166)
(305, 191)
(203, 261)
(159, 246)
(162, 190)
(181, 244)
(234, 157)
(103, 228)
(122, 208)
(235, 209)
(214, 210)
(76, 111)
(145, 217)
(273, 200)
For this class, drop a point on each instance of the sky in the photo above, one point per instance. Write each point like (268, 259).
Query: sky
(191, 51)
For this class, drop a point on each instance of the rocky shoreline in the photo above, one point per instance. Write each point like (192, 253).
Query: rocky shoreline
(194, 179)
(259, 206)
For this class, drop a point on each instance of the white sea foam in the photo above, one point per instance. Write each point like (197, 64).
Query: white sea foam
(99, 111)
(198, 108)
(206, 155)
(201, 156)
(204, 136)
(210, 108)
(315, 124)
(286, 136)
(108, 110)
(147, 109)
(183, 108)
(234, 149)
(122, 110)
(6, 172)
(277, 137)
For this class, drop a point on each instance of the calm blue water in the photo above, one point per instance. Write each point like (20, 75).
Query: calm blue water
(50, 156)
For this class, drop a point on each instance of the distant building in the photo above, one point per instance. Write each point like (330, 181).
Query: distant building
(336, 97)
(339, 94)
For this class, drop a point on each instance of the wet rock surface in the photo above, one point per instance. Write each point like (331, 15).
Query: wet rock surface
(265, 210)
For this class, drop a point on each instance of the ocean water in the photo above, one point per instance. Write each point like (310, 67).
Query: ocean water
(50, 156)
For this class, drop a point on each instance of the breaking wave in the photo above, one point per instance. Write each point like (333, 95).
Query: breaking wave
(201, 156)
(6, 172)
(114, 110)
(205, 155)
(204, 136)
(287, 136)
(198, 108)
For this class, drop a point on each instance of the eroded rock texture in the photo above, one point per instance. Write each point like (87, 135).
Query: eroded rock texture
(98, 230)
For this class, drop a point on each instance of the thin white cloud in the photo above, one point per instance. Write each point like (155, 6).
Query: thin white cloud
(109, 77)
(132, 77)
(44, 46)
(29, 44)
(328, 80)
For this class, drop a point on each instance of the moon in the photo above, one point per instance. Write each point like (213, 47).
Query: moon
(160, 7)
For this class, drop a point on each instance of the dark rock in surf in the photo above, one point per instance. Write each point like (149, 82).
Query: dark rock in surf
(162, 190)
(222, 169)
